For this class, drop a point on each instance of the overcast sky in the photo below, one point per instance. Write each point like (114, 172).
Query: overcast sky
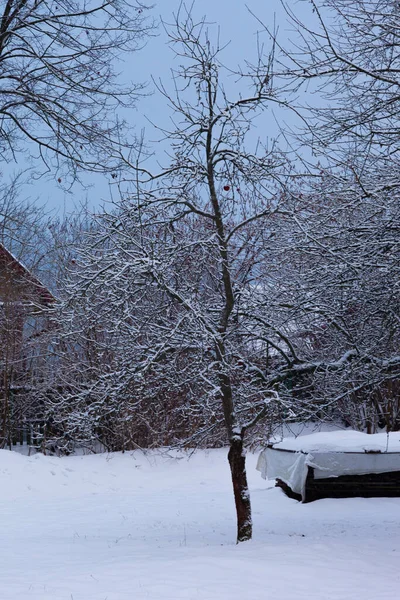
(237, 26)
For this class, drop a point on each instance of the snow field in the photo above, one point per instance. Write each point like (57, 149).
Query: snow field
(140, 526)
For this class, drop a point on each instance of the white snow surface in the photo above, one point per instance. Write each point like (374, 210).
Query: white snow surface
(138, 526)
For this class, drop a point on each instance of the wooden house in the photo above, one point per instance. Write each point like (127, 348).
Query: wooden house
(23, 298)
(18, 284)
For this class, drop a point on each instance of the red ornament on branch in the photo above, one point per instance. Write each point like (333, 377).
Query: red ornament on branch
(227, 188)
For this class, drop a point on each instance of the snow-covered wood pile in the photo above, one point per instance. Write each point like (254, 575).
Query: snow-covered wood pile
(336, 464)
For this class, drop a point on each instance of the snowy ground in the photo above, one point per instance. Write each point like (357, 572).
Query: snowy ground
(136, 527)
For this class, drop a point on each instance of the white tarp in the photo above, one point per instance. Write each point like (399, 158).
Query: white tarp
(331, 454)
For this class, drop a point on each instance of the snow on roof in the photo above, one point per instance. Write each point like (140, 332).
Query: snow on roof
(341, 441)
(45, 296)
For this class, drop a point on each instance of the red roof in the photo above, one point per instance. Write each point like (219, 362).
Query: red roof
(37, 289)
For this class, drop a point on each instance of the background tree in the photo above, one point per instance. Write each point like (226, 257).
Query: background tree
(349, 57)
(61, 103)
(343, 298)
(347, 244)
(59, 91)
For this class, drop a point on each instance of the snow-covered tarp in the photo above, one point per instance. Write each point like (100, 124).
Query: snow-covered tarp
(330, 454)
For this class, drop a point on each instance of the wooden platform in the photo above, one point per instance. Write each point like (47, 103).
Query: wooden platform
(373, 485)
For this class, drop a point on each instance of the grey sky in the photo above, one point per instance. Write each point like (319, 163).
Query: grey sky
(237, 26)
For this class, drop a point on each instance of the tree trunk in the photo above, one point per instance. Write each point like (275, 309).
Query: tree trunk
(237, 462)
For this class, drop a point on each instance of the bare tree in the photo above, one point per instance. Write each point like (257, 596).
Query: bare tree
(348, 57)
(59, 90)
(179, 272)
(343, 298)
